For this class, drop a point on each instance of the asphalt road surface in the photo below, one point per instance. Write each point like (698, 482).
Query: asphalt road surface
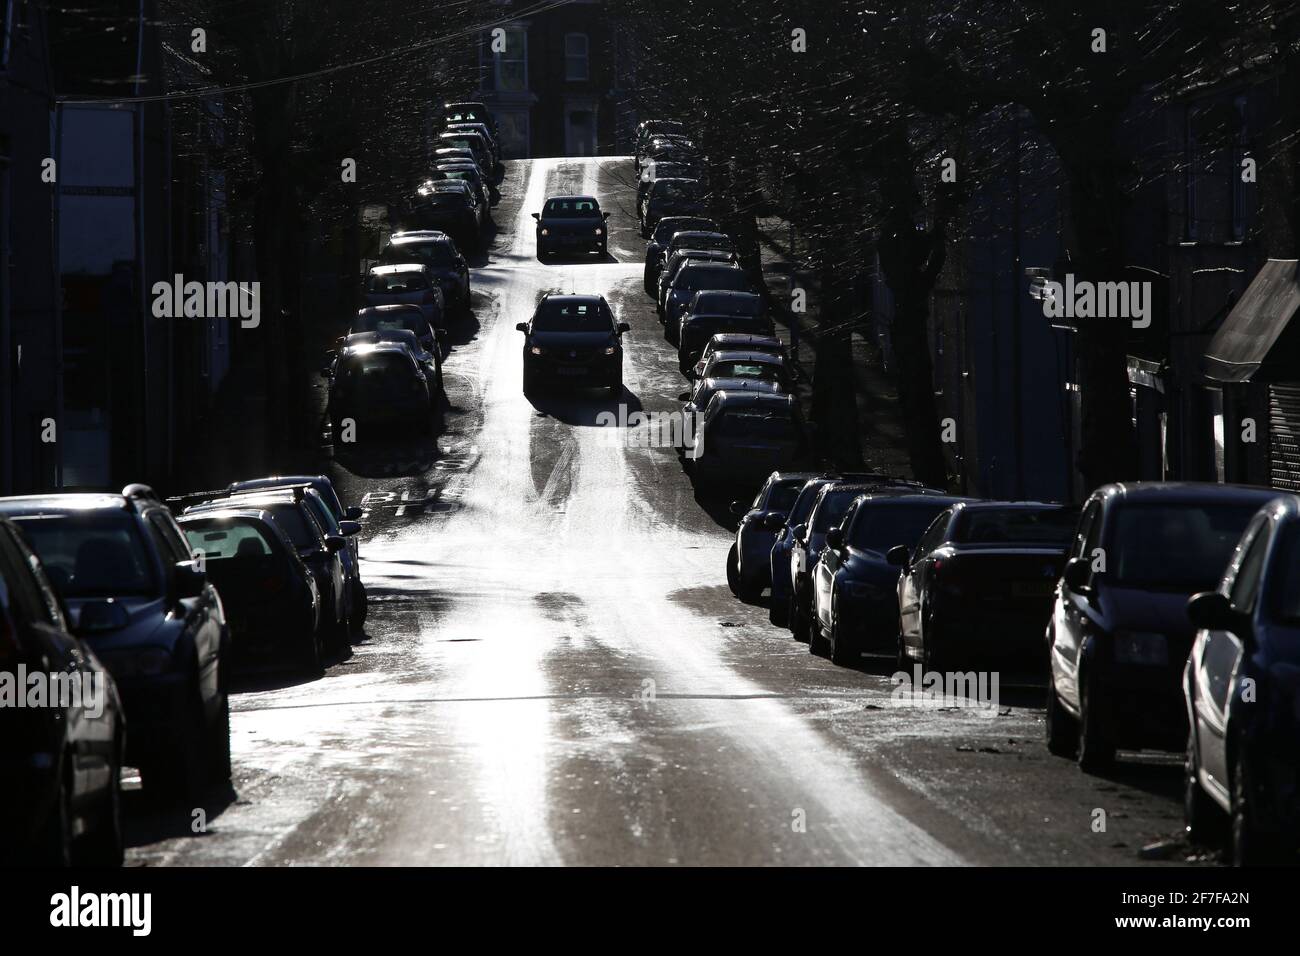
(554, 671)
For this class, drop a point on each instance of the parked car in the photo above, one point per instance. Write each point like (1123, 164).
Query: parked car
(671, 147)
(769, 366)
(385, 318)
(745, 435)
(673, 265)
(482, 130)
(475, 142)
(663, 233)
(60, 801)
(703, 389)
(447, 156)
(749, 572)
(669, 197)
(377, 385)
(144, 607)
(977, 589)
(298, 518)
(701, 239)
(743, 342)
(573, 339)
(779, 562)
(485, 191)
(272, 602)
(647, 130)
(452, 206)
(571, 224)
(666, 169)
(699, 276)
(470, 111)
(1119, 636)
(851, 584)
(430, 362)
(322, 485)
(407, 283)
(437, 252)
(731, 319)
(1241, 691)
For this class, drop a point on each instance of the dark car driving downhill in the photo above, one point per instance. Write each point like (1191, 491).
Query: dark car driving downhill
(573, 339)
(571, 224)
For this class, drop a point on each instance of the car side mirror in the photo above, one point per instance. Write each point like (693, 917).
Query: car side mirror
(739, 509)
(1211, 611)
(521, 326)
(774, 521)
(335, 543)
(187, 580)
(897, 556)
(684, 397)
(349, 528)
(835, 539)
(624, 327)
(1077, 574)
(440, 335)
(353, 514)
(96, 617)
(605, 215)
(537, 216)
(799, 531)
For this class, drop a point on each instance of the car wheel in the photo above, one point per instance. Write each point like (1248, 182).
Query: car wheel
(616, 387)
(1199, 811)
(778, 612)
(901, 661)
(1059, 725)
(104, 845)
(219, 746)
(177, 774)
(842, 653)
(798, 626)
(1251, 844)
(1096, 751)
(530, 381)
(817, 643)
(360, 605)
(733, 571)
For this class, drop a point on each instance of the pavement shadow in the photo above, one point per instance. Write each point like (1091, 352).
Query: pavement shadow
(147, 820)
(584, 407)
(559, 259)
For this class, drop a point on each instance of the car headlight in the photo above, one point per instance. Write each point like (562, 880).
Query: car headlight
(546, 232)
(598, 230)
(537, 350)
(1141, 647)
(611, 350)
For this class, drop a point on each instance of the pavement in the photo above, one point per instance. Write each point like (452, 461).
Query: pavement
(554, 671)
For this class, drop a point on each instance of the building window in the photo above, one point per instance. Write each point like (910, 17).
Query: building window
(575, 56)
(512, 62)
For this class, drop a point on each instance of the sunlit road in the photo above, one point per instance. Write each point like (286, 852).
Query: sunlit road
(555, 673)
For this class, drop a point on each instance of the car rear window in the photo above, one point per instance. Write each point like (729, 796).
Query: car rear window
(395, 283)
(695, 278)
(219, 539)
(756, 423)
(92, 554)
(435, 253)
(390, 321)
(675, 189)
(1180, 546)
(729, 369)
(881, 524)
(1051, 526)
(667, 228)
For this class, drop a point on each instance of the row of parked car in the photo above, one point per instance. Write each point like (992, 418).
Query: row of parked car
(157, 603)
(385, 372)
(1165, 616)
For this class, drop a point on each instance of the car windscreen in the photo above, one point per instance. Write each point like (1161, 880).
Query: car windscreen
(92, 554)
(731, 280)
(570, 209)
(744, 424)
(803, 505)
(831, 510)
(1181, 546)
(703, 243)
(396, 283)
(297, 527)
(219, 539)
(432, 253)
(407, 319)
(729, 369)
(879, 525)
(553, 316)
(1052, 527)
(378, 375)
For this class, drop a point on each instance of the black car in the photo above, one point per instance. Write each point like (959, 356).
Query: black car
(749, 571)
(438, 253)
(571, 224)
(670, 197)
(141, 603)
(573, 339)
(385, 318)
(469, 111)
(660, 237)
(698, 276)
(851, 594)
(1119, 636)
(451, 206)
(1241, 689)
(271, 600)
(61, 762)
(298, 519)
(377, 385)
(475, 142)
(486, 191)
(977, 588)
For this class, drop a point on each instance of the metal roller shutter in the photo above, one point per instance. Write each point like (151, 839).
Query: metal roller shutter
(1284, 436)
